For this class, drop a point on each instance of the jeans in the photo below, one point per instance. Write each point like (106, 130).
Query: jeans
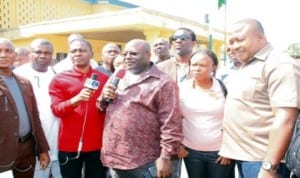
(202, 164)
(250, 169)
(141, 171)
(176, 167)
(72, 164)
(53, 169)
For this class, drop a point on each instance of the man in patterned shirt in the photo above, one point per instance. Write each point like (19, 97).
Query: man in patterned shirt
(143, 125)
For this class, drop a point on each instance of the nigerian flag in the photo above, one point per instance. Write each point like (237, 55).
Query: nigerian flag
(221, 3)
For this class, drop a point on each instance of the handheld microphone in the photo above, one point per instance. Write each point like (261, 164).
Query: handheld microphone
(92, 83)
(115, 82)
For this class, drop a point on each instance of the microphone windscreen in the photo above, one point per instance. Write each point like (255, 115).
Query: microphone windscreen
(94, 76)
(120, 73)
(116, 78)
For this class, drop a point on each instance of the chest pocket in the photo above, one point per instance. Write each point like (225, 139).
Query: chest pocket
(249, 89)
(250, 84)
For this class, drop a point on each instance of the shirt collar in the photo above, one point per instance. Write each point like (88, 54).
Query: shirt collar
(263, 53)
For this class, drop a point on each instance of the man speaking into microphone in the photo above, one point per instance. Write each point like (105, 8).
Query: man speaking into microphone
(73, 97)
(143, 124)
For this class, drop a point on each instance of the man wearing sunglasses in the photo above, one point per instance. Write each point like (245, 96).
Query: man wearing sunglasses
(183, 42)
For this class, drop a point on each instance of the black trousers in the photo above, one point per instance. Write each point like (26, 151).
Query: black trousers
(73, 165)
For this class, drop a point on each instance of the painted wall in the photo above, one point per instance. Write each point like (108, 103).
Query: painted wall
(15, 13)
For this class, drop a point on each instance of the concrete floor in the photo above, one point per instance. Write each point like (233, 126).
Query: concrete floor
(6, 174)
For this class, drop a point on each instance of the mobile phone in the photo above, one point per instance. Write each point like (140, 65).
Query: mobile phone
(151, 173)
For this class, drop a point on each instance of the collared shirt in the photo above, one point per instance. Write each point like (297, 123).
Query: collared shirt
(158, 60)
(269, 80)
(104, 71)
(174, 69)
(143, 122)
(226, 73)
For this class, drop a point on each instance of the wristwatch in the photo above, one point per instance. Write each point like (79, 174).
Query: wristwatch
(268, 166)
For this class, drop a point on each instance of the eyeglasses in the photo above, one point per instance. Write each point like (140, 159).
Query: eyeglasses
(182, 37)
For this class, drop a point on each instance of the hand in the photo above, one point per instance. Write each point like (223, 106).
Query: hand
(84, 95)
(267, 174)
(109, 92)
(182, 153)
(44, 160)
(163, 167)
(223, 161)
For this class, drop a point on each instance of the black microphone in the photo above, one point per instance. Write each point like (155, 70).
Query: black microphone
(92, 83)
(116, 78)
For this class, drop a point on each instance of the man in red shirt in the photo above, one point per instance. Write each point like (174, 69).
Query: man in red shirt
(80, 134)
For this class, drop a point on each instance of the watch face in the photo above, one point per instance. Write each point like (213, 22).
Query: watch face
(267, 165)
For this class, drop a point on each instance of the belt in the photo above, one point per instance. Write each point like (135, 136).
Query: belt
(25, 138)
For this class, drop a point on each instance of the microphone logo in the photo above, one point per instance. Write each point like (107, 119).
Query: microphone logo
(92, 83)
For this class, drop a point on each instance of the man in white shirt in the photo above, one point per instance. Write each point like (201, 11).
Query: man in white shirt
(39, 73)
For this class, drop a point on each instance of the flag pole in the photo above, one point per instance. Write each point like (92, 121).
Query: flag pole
(210, 36)
(225, 32)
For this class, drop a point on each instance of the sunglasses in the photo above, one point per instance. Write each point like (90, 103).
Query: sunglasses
(182, 37)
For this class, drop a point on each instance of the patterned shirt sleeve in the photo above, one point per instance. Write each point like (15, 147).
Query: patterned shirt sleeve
(170, 119)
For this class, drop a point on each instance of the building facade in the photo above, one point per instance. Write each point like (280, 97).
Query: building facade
(99, 21)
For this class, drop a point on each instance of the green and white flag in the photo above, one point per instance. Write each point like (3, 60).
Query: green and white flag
(221, 3)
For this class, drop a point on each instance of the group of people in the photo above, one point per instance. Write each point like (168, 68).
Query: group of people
(157, 114)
